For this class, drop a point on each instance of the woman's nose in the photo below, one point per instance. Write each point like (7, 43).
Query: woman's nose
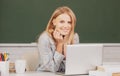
(66, 24)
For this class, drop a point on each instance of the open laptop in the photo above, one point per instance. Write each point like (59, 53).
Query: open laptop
(81, 58)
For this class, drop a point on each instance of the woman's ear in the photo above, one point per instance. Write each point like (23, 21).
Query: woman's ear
(54, 22)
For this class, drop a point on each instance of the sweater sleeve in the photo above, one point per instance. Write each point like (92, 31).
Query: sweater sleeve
(49, 59)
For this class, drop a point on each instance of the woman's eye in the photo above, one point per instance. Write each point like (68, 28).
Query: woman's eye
(62, 21)
(70, 22)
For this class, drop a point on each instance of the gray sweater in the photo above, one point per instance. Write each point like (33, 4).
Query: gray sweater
(50, 59)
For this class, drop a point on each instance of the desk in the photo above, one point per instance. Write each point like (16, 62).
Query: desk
(38, 74)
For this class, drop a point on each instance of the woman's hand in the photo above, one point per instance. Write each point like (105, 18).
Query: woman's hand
(59, 41)
(58, 37)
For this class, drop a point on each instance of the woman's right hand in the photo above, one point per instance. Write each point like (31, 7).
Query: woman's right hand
(59, 41)
(58, 37)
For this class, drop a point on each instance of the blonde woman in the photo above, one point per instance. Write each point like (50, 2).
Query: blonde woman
(51, 43)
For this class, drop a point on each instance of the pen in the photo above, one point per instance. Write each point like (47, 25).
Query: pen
(5, 56)
(2, 56)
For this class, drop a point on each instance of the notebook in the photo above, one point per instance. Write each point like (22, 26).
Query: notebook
(82, 58)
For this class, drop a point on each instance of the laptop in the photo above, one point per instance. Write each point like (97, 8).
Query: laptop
(82, 58)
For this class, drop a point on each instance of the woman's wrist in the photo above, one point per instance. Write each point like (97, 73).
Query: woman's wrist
(59, 48)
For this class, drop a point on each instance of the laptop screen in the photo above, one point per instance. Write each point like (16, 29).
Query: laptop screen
(81, 58)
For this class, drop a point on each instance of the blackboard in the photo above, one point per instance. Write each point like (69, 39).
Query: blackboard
(21, 21)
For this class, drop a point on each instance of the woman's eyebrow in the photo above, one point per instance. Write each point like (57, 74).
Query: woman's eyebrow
(62, 21)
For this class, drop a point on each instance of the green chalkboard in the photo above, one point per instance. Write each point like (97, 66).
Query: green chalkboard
(21, 21)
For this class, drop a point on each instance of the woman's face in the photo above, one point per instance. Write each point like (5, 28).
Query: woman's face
(63, 24)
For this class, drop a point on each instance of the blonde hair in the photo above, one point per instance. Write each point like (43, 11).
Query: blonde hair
(60, 10)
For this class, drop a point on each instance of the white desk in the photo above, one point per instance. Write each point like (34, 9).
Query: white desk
(39, 74)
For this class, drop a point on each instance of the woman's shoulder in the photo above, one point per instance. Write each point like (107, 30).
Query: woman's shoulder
(76, 34)
(44, 35)
(45, 38)
(76, 38)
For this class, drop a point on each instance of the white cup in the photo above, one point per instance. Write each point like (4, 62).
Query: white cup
(20, 66)
(4, 68)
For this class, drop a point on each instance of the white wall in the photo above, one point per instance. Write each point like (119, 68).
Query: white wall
(111, 53)
(27, 51)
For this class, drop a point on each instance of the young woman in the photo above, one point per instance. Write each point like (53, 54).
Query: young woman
(52, 42)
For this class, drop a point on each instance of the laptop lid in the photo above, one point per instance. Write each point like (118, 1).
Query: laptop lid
(81, 58)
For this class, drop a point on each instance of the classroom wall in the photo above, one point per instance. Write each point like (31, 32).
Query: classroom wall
(21, 21)
(29, 51)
